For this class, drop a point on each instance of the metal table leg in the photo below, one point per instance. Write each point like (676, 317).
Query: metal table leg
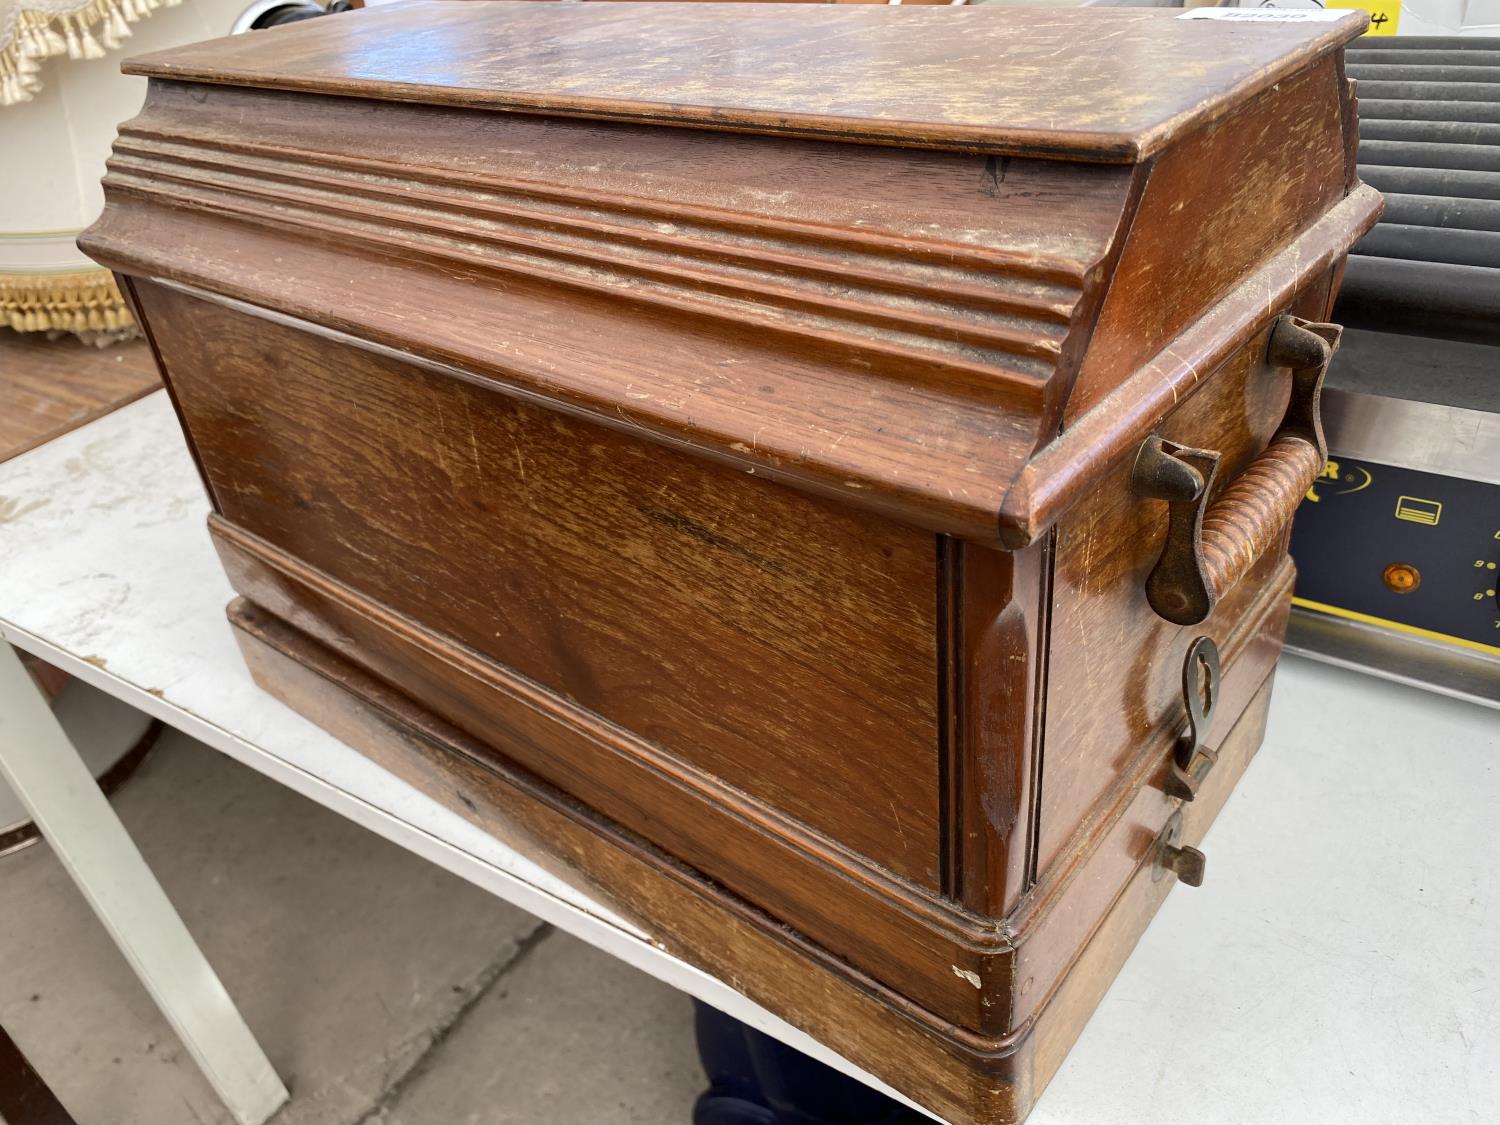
(44, 770)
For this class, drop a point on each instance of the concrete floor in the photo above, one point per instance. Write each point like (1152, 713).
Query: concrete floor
(386, 991)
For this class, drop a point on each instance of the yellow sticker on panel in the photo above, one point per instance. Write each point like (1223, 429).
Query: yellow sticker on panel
(1384, 14)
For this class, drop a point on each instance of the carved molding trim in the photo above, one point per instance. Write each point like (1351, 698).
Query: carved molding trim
(955, 312)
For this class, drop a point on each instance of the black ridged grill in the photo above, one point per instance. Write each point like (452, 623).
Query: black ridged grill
(1429, 111)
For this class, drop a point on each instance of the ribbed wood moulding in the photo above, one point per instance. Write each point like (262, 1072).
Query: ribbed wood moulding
(933, 307)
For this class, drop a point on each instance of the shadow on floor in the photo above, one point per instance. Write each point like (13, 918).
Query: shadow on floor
(385, 990)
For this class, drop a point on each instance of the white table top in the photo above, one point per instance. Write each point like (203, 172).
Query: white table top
(1340, 964)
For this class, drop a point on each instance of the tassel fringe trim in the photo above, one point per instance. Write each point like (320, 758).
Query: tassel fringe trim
(95, 27)
(88, 301)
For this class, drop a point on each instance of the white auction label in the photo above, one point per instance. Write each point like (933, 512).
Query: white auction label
(1265, 15)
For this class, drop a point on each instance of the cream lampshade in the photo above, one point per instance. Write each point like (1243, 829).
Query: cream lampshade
(58, 113)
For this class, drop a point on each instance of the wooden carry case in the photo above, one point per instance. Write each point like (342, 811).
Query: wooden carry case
(824, 471)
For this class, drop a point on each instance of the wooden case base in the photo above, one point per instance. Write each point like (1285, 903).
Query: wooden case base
(965, 1078)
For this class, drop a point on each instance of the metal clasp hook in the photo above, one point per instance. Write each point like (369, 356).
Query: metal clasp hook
(1191, 761)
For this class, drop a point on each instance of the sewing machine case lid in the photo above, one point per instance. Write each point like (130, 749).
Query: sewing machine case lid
(1105, 84)
(887, 320)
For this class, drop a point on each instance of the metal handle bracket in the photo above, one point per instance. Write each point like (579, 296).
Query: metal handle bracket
(1197, 567)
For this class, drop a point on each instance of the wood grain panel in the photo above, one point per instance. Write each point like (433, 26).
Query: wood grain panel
(1110, 85)
(710, 613)
(1223, 201)
(911, 940)
(995, 647)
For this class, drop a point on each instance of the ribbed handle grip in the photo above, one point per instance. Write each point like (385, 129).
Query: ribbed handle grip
(1210, 546)
(1247, 517)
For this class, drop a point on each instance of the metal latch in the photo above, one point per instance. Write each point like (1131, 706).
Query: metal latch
(1191, 760)
(1187, 863)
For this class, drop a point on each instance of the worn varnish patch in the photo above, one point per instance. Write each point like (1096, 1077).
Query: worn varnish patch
(1054, 82)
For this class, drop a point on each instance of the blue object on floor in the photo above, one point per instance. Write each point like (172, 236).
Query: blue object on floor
(754, 1080)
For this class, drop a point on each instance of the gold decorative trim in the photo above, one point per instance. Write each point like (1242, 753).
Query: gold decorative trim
(77, 301)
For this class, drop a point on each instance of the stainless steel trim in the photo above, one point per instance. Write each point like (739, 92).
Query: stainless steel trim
(1413, 435)
(1431, 665)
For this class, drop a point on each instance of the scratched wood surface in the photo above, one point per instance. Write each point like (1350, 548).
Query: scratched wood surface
(916, 943)
(995, 608)
(974, 297)
(770, 302)
(571, 579)
(1279, 164)
(571, 552)
(1103, 84)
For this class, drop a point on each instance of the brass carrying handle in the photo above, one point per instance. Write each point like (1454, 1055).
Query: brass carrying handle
(1211, 546)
